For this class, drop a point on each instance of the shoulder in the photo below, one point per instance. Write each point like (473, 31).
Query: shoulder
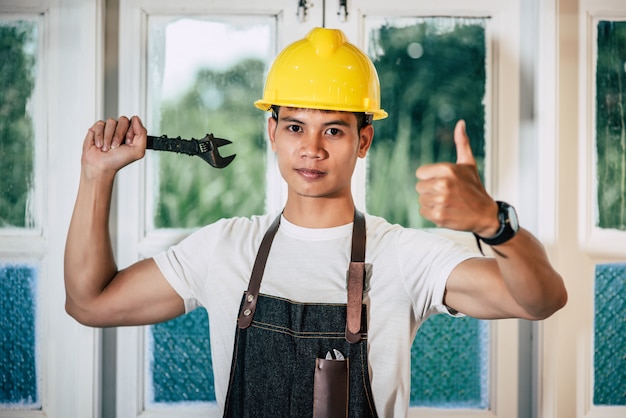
(413, 245)
(379, 229)
(237, 226)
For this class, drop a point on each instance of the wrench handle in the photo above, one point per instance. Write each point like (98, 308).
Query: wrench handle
(182, 146)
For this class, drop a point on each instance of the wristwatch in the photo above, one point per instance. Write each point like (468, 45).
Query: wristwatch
(509, 225)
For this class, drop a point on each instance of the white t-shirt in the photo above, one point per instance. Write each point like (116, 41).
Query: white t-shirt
(407, 275)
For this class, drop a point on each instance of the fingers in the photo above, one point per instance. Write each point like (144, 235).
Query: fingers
(464, 154)
(98, 133)
(136, 132)
(451, 195)
(113, 133)
(119, 133)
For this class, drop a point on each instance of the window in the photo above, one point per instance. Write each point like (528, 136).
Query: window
(433, 73)
(203, 76)
(599, 274)
(19, 387)
(609, 385)
(611, 124)
(20, 219)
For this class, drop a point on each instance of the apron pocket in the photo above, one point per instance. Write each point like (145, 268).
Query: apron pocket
(330, 392)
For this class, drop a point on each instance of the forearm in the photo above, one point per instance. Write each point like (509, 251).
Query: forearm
(89, 261)
(529, 276)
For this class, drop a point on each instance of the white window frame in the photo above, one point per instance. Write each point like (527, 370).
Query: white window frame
(566, 110)
(67, 101)
(599, 245)
(134, 241)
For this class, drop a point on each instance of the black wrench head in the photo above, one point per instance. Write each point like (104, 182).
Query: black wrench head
(209, 151)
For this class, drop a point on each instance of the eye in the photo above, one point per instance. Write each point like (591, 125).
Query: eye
(294, 128)
(333, 131)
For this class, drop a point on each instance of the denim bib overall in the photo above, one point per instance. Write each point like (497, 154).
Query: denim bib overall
(301, 360)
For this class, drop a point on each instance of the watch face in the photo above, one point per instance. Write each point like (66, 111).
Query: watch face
(513, 218)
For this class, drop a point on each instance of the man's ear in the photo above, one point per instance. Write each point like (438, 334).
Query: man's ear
(271, 131)
(365, 140)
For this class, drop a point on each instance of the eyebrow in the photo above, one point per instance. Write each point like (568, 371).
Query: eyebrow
(292, 119)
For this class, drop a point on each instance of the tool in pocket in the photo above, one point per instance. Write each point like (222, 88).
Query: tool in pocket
(331, 386)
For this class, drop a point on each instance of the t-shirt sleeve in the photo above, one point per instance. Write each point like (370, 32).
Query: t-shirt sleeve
(185, 265)
(174, 272)
(427, 261)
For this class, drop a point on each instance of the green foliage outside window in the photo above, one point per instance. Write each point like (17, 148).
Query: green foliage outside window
(191, 192)
(432, 73)
(611, 125)
(17, 81)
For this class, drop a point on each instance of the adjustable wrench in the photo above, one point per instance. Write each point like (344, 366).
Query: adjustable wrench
(206, 148)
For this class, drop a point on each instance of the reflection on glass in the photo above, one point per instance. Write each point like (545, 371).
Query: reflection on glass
(432, 73)
(18, 359)
(611, 125)
(18, 53)
(609, 382)
(203, 77)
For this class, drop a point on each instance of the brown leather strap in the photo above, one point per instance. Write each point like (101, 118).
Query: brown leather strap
(249, 306)
(356, 277)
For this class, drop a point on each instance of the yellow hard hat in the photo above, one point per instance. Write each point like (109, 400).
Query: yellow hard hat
(323, 71)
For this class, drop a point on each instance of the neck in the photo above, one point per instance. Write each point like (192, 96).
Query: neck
(319, 213)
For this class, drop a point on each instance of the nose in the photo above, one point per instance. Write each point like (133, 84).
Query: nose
(312, 146)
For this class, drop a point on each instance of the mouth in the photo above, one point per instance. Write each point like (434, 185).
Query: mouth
(310, 174)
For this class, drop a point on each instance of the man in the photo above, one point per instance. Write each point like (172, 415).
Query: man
(284, 341)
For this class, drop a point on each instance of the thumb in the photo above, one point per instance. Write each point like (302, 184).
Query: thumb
(136, 132)
(464, 154)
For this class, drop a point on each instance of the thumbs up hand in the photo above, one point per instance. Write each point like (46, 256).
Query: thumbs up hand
(452, 196)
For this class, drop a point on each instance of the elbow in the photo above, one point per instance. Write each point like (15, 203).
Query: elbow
(74, 312)
(550, 306)
(82, 316)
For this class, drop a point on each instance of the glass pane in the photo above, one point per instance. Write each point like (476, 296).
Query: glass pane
(610, 335)
(204, 75)
(18, 360)
(180, 364)
(449, 364)
(432, 73)
(611, 125)
(18, 53)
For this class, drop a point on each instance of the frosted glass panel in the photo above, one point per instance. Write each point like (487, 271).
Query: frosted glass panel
(611, 125)
(18, 357)
(610, 335)
(204, 75)
(432, 73)
(18, 53)
(180, 361)
(450, 364)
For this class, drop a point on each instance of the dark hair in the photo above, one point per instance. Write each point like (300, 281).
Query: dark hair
(362, 119)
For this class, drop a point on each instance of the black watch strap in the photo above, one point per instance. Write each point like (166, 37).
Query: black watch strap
(508, 226)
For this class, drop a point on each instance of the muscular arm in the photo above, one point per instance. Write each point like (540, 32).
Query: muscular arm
(97, 294)
(519, 281)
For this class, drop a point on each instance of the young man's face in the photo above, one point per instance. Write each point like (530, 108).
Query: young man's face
(317, 150)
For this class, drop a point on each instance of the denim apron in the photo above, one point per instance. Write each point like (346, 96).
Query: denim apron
(301, 360)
